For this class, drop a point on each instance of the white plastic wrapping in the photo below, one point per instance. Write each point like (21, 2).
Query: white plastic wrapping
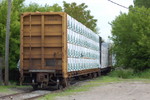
(83, 46)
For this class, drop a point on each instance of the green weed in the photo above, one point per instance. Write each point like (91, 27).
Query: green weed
(122, 73)
(145, 74)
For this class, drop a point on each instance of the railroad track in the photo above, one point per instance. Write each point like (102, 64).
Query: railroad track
(33, 95)
(10, 96)
(36, 97)
(25, 95)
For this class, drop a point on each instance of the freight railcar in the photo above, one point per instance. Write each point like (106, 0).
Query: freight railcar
(106, 58)
(54, 48)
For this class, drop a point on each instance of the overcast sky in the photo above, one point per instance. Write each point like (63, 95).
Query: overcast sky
(102, 10)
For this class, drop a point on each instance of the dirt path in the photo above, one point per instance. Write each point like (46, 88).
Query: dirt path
(114, 91)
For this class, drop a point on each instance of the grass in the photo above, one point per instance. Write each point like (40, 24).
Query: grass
(130, 74)
(4, 89)
(7, 89)
(122, 73)
(144, 75)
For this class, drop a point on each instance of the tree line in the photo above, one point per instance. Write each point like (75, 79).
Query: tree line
(131, 37)
(130, 31)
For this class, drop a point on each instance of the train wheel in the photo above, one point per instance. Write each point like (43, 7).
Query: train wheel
(98, 73)
(60, 87)
(59, 84)
(21, 80)
(66, 82)
(90, 75)
(94, 75)
(35, 87)
(77, 77)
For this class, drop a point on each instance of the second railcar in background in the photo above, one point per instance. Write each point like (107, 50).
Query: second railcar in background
(107, 58)
(55, 47)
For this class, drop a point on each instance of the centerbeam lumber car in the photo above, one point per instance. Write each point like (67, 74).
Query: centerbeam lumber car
(54, 48)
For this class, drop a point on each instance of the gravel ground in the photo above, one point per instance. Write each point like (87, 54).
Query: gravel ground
(114, 91)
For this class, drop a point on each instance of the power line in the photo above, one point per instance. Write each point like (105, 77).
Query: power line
(118, 4)
(128, 8)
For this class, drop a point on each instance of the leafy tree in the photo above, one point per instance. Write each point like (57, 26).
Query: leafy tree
(131, 37)
(14, 32)
(35, 7)
(80, 13)
(140, 3)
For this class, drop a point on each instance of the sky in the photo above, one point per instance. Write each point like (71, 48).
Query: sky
(102, 10)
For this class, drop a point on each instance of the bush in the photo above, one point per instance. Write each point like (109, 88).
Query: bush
(145, 74)
(122, 73)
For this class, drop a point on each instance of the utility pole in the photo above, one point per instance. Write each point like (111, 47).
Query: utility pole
(7, 43)
(1, 64)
